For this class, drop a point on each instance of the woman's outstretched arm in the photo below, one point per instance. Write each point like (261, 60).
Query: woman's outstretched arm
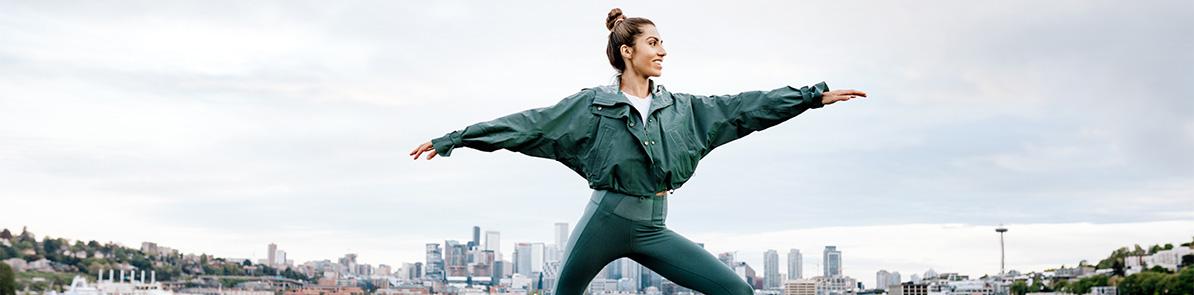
(721, 119)
(541, 132)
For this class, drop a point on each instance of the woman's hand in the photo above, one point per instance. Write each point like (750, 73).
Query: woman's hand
(830, 97)
(426, 147)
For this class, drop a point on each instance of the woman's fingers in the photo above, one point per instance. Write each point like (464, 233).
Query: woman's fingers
(431, 154)
(420, 150)
(854, 92)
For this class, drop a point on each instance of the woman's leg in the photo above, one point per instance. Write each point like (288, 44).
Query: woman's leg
(599, 238)
(680, 260)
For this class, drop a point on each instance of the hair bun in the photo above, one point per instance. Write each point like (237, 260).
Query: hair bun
(612, 19)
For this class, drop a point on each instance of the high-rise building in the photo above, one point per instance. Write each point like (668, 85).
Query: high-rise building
(271, 254)
(476, 235)
(561, 239)
(630, 273)
(434, 269)
(493, 241)
(561, 235)
(528, 258)
(771, 269)
(747, 274)
(727, 258)
(893, 278)
(832, 261)
(349, 263)
(795, 264)
(280, 260)
(882, 279)
(455, 259)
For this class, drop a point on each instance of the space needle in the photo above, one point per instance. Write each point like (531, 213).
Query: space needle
(1001, 230)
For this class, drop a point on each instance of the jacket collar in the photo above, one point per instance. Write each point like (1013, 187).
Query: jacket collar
(611, 95)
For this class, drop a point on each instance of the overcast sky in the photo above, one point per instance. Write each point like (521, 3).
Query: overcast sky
(222, 126)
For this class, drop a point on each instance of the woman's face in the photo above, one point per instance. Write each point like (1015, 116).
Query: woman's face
(646, 58)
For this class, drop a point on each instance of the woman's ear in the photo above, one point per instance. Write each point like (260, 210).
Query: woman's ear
(627, 51)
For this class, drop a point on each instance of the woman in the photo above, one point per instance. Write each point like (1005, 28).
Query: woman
(635, 142)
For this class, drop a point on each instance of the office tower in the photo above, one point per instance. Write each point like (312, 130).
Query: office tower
(493, 241)
(528, 258)
(434, 270)
(280, 260)
(832, 261)
(476, 235)
(727, 258)
(795, 264)
(771, 269)
(349, 263)
(455, 259)
(561, 236)
(271, 254)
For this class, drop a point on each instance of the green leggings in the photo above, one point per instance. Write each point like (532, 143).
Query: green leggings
(616, 225)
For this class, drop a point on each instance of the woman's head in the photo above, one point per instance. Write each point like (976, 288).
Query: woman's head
(634, 45)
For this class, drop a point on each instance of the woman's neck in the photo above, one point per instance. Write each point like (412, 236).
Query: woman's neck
(635, 84)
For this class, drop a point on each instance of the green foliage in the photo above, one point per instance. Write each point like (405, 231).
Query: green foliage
(291, 274)
(1019, 288)
(1037, 286)
(1082, 286)
(8, 283)
(1149, 282)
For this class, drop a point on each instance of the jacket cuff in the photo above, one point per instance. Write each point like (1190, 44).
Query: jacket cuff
(813, 95)
(445, 144)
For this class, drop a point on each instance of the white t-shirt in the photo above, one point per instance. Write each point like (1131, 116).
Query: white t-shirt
(641, 104)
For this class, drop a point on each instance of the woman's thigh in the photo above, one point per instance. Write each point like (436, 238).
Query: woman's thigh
(680, 260)
(599, 237)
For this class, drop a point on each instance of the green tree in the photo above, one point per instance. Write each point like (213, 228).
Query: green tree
(1019, 288)
(1184, 282)
(7, 235)
(8, 283)
(1083, 285)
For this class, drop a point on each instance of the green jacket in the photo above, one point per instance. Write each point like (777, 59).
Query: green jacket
(598, 134)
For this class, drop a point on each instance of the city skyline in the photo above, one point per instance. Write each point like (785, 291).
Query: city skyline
(865, 274)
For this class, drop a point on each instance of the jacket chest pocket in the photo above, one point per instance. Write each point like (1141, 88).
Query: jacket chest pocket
(608, 129)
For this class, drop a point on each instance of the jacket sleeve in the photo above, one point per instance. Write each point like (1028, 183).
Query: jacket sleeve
(722, 119)
(542, 132)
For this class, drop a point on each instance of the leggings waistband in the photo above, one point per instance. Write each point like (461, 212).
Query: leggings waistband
(637, 208)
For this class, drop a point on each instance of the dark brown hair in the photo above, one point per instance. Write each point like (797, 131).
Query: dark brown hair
(622, 31)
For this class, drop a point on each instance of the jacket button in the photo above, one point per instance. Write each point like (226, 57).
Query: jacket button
(598, 108)
(631, 124)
